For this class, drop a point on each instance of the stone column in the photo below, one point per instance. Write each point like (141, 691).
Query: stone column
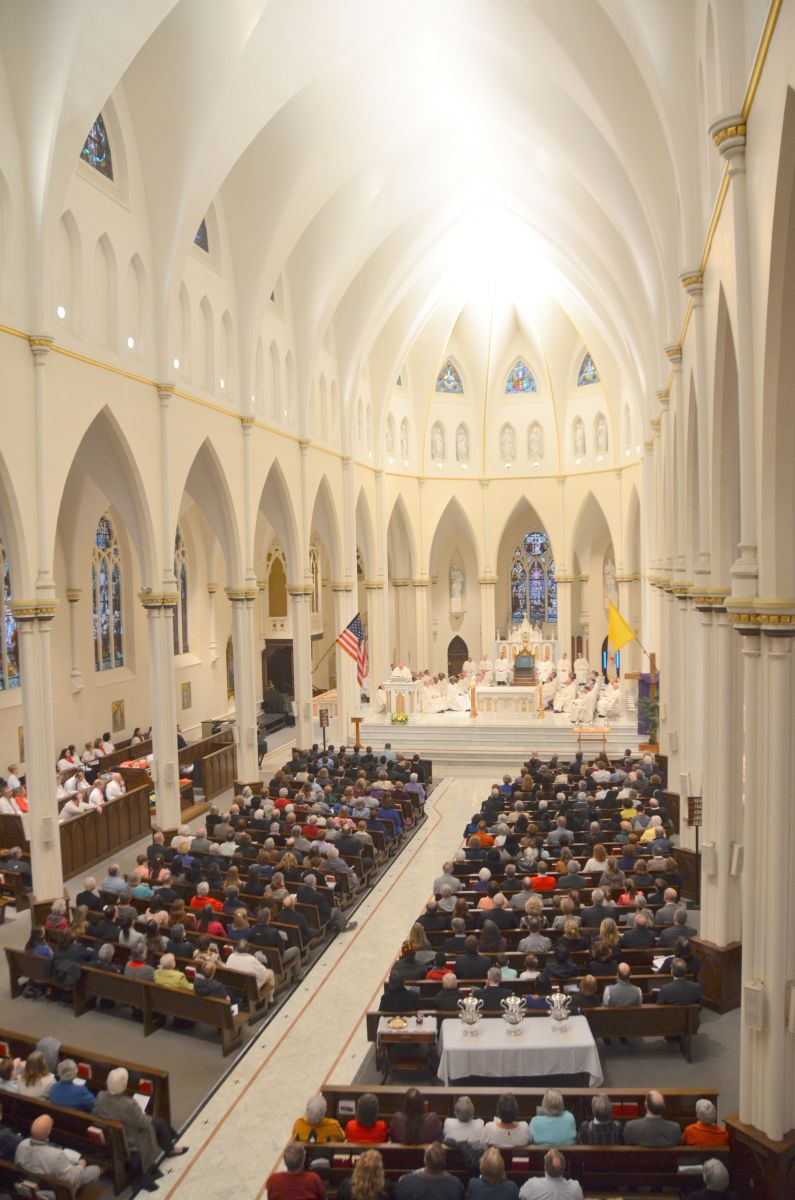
(722, 798)
(728, 134)
(299, 600)
(767, 1045)
(403, 620)
(488, 613)
(584, 619)
(666, 486)
(565, 583)
(212, 588)
(377, 633)
(163, 705)
(347, 687)
(693, 283)
(45, 584)
(379, 593)
(34, 621)
(422, 609)
(73, 596)
(242, 601)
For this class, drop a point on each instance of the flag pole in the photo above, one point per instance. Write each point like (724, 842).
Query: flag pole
(331, 647)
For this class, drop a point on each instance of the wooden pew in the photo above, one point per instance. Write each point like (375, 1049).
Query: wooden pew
(11, 1175)
(153, 1079)
(71, 1128)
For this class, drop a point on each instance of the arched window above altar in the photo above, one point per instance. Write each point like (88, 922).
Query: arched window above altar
(534, 592)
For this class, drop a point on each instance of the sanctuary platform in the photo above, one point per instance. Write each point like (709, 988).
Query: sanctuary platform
(463, 745)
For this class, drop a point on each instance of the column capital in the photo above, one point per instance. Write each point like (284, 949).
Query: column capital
(776, 617)
(728, 134)
(304, 444)
(566, 577)
(373, 585)
(212, 588)
(347, 460)
(165, 391)
(300, 591)
(156, 600)
(341, 585)
(484, 484)
(73, 594)
(400, 583)
(673, 353)
(693, 282)
(33, 610)
(246, 424)
(561, 480)
(40, 344)
(240, 595)
(422, 581)
(663, 398)
(621, 577)
(489, 580)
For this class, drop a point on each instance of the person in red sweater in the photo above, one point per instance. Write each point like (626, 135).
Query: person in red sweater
(366, 1126)
(542, 882)
(705, 1131)
(295, 1183)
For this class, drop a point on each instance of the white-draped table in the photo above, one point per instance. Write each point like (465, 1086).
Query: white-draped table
(536, 1050)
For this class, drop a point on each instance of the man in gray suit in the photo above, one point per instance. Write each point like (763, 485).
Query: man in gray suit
(40, 1156)
(622, 993)
(653, 1129)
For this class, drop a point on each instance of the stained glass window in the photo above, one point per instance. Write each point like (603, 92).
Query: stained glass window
(9, 649)
(587, 372)
(520, 379)
(106, 581)
(201, 240)
(96, 149)
(230, 668)
(448, 379)
(534, 592)
(181, 639)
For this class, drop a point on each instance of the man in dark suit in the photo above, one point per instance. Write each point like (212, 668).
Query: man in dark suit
(446, 999)
(308, 893)
(493, 993)
(679, 929)
(288, 914)
(640, 937)
(397, 998)
(592, 917)
(90, 896)
(653, 1129)
(433, 917)
(502, 915)
(471, 965)
(457, 943)
(680, 990)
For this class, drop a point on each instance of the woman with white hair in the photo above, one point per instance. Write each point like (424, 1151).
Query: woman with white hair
(553, 1124)
(315, 1126)
(145, 1136)
(464, 1126)
(716, 1182)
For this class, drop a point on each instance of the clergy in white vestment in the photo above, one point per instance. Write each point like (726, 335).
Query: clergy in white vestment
(469, 667)
(549, 689)
(379, 700)
(609, 699)
(401, 671)
(581, 669)
(502, 667)
(430, 700)
(564, 667)
(565, 695)
(546, 668)
(583, 708)
(456, 698)
(485, 670)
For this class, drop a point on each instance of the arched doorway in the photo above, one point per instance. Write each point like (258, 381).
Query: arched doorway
(457, 654)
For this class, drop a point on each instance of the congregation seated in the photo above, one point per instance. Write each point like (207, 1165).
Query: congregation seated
(705, 1130)
(464, 1126)
(413, 1124)
(716, 1183)
(491, 1183)
(38, 1155)
(366, 1125)
(506, 1129)
(553, 1124)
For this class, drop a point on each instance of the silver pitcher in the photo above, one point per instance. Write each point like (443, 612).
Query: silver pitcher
(469, 1012)
(559, 1006)
(513, 1012)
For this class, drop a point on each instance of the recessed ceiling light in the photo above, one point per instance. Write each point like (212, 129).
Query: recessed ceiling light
(439, 465)
(601, 458)
(391, 460)
(60, 312)
(221, 384)
(637, 449)
(507, 466)
(626, 452)
(369, 454)
(175, 363)
(130, 342)
(253, 399)
(578, 461)
(464, 466)
(405, 462)
(285, 412)
(536, 464)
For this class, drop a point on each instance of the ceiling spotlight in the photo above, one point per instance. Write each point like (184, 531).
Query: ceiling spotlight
(637, 449)
(536, 464)
(253, 398)
(369, 454)
(221, 384)
(578, 461)
(626, 452)
(439, 465)
(60, 312)
(405, 462)
(464, 466)
(285, 412)
(130, 342)
(507, 466)
(601, 458)
(175, 363)
(391, 460)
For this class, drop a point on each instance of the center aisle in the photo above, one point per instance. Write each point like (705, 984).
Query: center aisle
(319, 1036)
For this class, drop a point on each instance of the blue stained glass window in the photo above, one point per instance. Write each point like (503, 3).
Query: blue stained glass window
(9, 648)
(587, 372)
(520, 379)
(96, 149)
(201, 239)
(552, 594)
(534, 591)
(106, 592)
(448, 379)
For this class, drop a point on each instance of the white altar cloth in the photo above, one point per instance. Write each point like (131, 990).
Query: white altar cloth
(536, 1050)
(495, 699)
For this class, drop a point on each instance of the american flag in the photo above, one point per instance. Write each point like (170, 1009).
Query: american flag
(352, 642)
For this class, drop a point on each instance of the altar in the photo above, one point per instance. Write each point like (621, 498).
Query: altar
(526, 640)
(504, 700)
(402, 696)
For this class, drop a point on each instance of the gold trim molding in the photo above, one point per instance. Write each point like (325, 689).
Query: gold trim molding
(73, 594)
(492, 579)
(373, 585)
(299, 590)
(159, 599)
(240, 594)
(34, 610)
